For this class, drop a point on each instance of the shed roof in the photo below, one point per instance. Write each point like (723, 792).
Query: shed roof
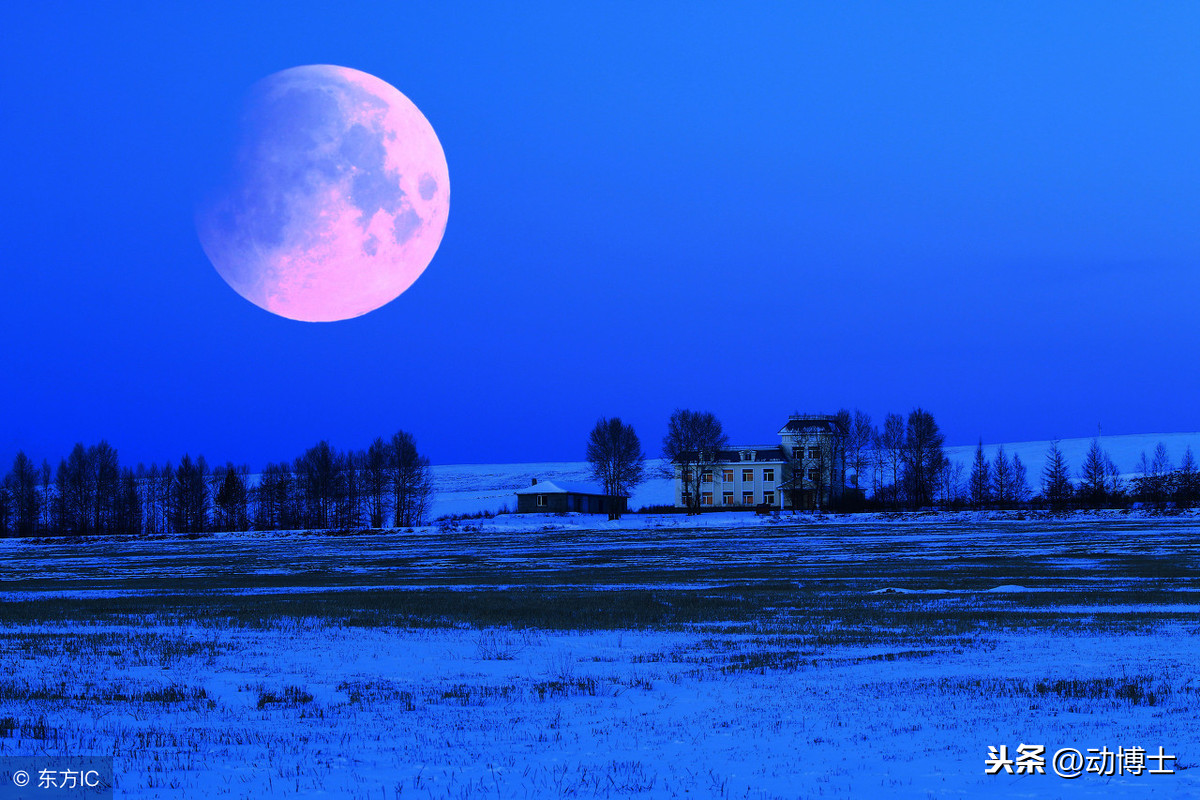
(562, 487)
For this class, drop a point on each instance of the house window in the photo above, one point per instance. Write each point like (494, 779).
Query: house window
(687, 499)
(814, 452)
(687, 476)
(769, 498)
(747, 498)
(541, 500)
(747, 474)
(706, 476)
(706, 498)
(812, 474)
(798, 453)
(727, 498)
(769, 475)
(727, 475)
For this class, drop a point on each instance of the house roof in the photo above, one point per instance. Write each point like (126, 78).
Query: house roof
(562, 487)
(811, 423)
(761, 453)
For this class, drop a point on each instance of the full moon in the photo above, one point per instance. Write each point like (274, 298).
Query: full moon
(337, 199)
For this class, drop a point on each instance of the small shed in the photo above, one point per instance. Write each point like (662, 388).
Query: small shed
(559, 497)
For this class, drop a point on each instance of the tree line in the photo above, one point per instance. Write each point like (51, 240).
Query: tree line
(1101, 484)
(901, 463)
(90, 492)
(1004, 481)
(905, 461)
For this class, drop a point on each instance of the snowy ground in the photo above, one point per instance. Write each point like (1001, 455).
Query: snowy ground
(566, 656)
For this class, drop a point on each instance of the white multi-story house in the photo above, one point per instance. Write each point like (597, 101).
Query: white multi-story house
(802, 472)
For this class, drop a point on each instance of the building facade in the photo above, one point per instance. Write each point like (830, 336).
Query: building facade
(804, 471)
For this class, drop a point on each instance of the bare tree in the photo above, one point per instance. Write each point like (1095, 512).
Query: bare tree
(412, 482)
(148, 480)
(924, 457)
(47, 500)
(1093, 476)
(1002, 478)
(980, 484)
(859, 440)
(951, 483)
(1161, 465)
(88, 488)
(165, 492)
(1143, 483)
(891, 447)
(349, 509)
(1114, 483)
(106, 478)
(231, 498)
(838, 451)
(377, 481)
(74, 489)
(692, 444)
(318, 472)
(1154, 484)
(1187, 480)
(617, 461)
(190, 495)
(822, 468)
(1020, 480)
(128, 519)
(22, 485)
(879, 467)
(819, 470)
(275, 499)
(1056, 481)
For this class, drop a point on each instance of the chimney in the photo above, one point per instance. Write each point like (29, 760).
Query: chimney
(534, 482)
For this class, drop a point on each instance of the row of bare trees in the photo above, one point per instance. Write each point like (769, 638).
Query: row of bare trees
(89, 492)
(1003, 482)
(1101, 483)
(900, 464)
(389, 483)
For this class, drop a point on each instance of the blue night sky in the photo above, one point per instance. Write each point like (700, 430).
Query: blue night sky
(985, 209)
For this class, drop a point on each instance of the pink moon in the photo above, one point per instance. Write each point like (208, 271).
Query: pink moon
(337, 200)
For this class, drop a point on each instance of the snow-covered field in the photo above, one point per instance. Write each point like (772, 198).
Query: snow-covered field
(551, 656)
(471, 488)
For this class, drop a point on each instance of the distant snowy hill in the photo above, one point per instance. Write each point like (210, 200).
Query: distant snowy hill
(1125, 451)
(470, 488)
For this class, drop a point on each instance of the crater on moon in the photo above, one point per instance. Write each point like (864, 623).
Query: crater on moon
(337, 199)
